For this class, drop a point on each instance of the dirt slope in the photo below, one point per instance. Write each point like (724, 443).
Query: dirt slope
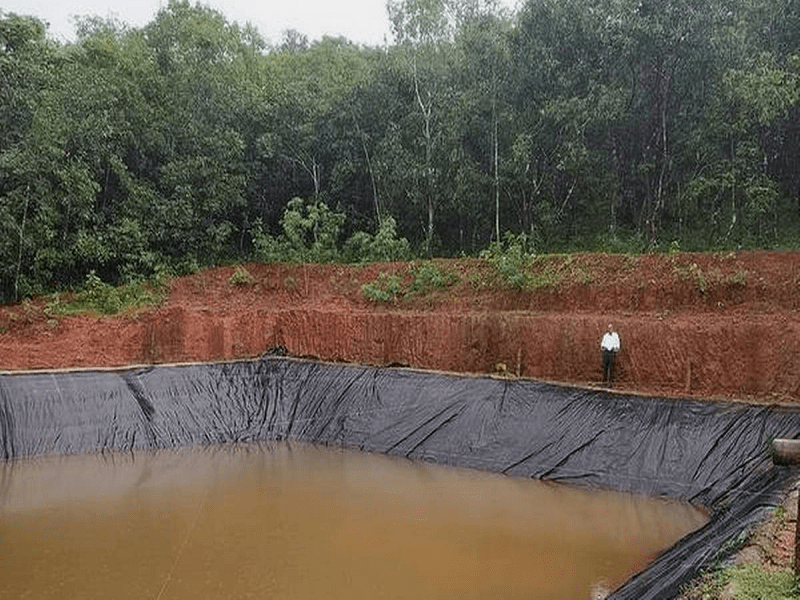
(721, 325)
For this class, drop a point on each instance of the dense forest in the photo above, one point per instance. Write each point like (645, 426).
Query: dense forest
(614, 125)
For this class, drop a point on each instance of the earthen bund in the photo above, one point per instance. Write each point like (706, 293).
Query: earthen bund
(715, 455)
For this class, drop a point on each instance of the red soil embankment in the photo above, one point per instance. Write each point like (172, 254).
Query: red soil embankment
(722, 325)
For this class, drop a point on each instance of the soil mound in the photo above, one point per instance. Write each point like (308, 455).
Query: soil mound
(704, 325)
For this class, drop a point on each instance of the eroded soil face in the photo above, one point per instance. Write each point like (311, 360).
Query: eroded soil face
(721, 325)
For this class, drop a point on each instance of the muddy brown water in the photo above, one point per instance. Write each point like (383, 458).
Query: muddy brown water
(293, 521)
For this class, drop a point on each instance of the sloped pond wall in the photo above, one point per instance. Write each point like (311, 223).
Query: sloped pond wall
(711, 454)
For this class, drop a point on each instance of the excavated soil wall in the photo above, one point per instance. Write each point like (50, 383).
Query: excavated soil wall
(737, 356)
(723, 325)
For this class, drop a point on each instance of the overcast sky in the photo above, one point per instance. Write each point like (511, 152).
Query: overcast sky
(361, 21)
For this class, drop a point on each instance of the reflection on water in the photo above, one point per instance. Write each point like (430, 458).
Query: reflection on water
(295, 522)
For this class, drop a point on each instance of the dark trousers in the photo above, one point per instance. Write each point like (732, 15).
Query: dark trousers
(608, 365)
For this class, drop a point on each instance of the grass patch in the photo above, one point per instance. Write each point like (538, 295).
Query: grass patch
(428, 276)
(511, 265)
(753, 583)
(750, 582)
(102, 298)
(382, 290)
(419, 280)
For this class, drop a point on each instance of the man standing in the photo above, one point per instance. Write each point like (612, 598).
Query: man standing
(610, 346)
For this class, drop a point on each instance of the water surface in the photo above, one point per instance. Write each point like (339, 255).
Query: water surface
(296, 522)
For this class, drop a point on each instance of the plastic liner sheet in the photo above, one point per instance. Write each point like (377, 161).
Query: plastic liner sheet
(712, 454)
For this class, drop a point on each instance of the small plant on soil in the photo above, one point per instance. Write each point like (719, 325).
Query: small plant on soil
(290, 284)
(428, 276)
(384, 289)
(698, 278)
(748, 582)
(510, 260)
(738, 279)
(100, 297)
(242, 277)
(514, 266)
(420, 279)
(694, 274)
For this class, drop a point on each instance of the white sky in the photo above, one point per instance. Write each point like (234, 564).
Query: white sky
(360, 21)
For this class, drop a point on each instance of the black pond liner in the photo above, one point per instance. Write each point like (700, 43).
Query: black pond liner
(712, 454)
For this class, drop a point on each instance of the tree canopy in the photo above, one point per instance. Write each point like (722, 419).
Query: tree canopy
(617, 125)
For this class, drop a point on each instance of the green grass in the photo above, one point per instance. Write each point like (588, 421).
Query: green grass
(102, 298)
(751, 582)
(417, 281)
(745, 582)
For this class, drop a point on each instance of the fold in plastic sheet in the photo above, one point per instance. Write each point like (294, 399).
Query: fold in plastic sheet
(712, 454)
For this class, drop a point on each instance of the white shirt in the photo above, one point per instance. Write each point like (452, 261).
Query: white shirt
(610, 341)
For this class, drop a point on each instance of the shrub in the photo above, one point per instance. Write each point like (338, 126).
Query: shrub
(102, 298)
(311, 233)
(242, 277)
(428, 275)
(384, 246)
(694, 274)
(384, 289)
(510, 259)
(423, 278)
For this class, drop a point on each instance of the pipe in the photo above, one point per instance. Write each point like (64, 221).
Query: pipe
(785, 452)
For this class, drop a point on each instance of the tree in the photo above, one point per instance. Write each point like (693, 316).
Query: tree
(485, 59)
(569, 94)
(310, 82)
(205, 65)
(27, 64)
(422, 30)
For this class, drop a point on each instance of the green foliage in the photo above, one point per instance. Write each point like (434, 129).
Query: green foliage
(265, 247)
(99, 297)
(511, 265)
(419, 280)
(311, 233)
(754, 583)
(429, 276)
(751, 582)
(628, 243)
(189, 142)
(510, 260)
(241, 277)
(381, 247)
(762, 88)
(386, 288)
